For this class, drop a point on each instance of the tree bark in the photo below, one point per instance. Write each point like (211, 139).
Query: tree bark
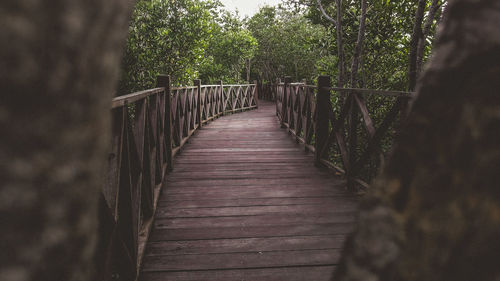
(325, 15)
(354, 99)
(340, 47)
(358, 49)
(422, 43)
(59, 66)
(434, 213)
(415, 38)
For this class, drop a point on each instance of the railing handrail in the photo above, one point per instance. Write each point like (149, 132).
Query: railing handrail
(209, 86)
(183, 88)
(148, 129)
(136, 96)
(348, 91)
(307, 113)
(238, 85)
(131, 98)
(371, 91)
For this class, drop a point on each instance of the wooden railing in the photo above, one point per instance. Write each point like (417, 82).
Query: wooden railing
(148, 129)
(332, 132)
(268, 92)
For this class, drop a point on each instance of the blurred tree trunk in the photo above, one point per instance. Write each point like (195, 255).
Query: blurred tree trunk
(59, 62)
(434, 213)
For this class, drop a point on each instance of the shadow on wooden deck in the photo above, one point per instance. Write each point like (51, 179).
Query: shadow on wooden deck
(245, 202)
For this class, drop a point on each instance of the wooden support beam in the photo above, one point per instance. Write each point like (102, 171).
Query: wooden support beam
(197, 83)
(257, 92)
(276, 92)
(322, 116)
(163, 81)
(223, 98)
(284, 102)
(353, 141)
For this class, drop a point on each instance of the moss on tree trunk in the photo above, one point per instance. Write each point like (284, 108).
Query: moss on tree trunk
(434, 213)
(59, 65)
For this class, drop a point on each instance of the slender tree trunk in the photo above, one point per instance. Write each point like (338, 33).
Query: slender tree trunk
(358, 49)
(249, 65)
(59, 66)
(353, 119)
(415, 38)
(340, 46)
(433, 214)
(423, 40)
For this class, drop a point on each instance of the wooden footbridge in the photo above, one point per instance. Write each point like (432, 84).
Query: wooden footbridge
(246, 197)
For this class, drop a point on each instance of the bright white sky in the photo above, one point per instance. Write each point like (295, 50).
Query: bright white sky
(247, 7)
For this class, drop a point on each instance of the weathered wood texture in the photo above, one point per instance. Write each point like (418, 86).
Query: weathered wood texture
(307, 113)
(267, 92)
(149, 129)
(434, 213)
(244, 202)
(59, 62)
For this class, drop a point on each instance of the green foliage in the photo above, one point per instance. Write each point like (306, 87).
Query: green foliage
(166, 37)
(186, 39)
(189, 39)
(229, 50)
(289, 44)
(388, 31)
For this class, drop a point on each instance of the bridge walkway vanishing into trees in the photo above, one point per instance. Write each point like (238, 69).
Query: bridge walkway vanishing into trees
(189, 197)
(245, 202)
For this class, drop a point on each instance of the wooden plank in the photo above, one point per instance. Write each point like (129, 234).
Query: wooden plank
(233, 232)
(252, 211)
(242, 260)
(247, 202)
(250, 191)
(180, 169)
(244, 201)
(218, 175)
(245, 245)
(257, 220)
(131, 98)
(250, 194)
(319, 182)
(316, 273)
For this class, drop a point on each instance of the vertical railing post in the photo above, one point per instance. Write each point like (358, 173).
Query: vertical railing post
(265, 92)
(284, 103)
(322, 114)
(222, 98)
(353, 140)
(404, 108)
(163, 81)
(199, 113)
(258, 92)
(276, 93)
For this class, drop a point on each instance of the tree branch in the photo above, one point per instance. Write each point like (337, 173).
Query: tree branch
(340, 47)
(427, 27)
(358, 49)
(325, 15)
(416, 35)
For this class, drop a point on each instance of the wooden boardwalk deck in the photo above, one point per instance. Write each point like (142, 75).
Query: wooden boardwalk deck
(245, 202)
